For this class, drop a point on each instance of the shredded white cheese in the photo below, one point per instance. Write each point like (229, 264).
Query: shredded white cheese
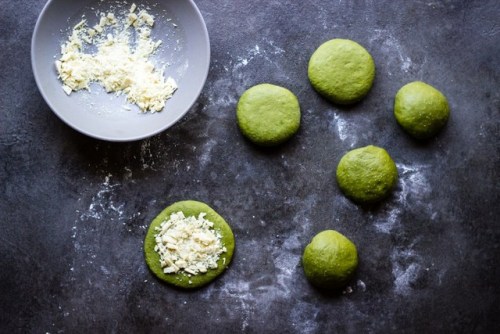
(117, 65)
(188, 244)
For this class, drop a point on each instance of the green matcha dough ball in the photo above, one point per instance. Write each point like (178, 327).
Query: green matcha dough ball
(421, 109)
(268, 115)
(342, 71)
(330, 260)
(367, 174)
(182, 279)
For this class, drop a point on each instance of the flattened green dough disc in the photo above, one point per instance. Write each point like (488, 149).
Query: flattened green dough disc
(330, 260)
(268, 115)
(342, 71)
(180, 279)
(421, 109)
(367, 174)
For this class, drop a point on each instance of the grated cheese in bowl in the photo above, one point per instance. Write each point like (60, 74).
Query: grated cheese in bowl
(118, 65)
(188, 244)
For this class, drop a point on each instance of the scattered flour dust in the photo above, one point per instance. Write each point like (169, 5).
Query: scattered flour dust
(414, 189)
(206, 154)
(407, 268)
(147, 156)
(223, 93)
(268, 48)
(119, 65)
(100, 209)
(251, 300)
(341, 127)
(390, 45)
(344, 129)
(104, 204)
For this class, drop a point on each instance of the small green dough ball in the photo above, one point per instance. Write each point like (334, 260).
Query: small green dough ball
(342, 71)
(330, 260)
(180, 279)
(367, 174)
(268, 115)
(421, 109)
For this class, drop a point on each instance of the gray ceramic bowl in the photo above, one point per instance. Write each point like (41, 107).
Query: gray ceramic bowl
(185, 48)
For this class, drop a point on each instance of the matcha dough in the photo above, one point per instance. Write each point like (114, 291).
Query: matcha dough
(367, 174)
(330, 260)
(342, 71)
(180, 279)
(268, 115)
(421, 109)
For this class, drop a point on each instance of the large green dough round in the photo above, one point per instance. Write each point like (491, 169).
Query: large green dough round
(421, 109)
(268, 115)
(342, 71)
(180, 279)
(367, 174)
(330, 260)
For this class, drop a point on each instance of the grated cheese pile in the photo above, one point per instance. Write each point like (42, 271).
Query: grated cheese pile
(116, 65)
(188, 244)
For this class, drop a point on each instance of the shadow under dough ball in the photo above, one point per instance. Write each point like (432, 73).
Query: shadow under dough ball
(367, 175)
(342, 71)
(182, 278)
(421, 110)
(268, 115)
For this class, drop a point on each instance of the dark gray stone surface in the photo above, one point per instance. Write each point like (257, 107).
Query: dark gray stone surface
(74, 210)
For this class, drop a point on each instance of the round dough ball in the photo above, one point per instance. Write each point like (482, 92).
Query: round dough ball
(421, 109)
(330, 260)
(181, 279)
(268, 115)
(367, 174)
(342, 71)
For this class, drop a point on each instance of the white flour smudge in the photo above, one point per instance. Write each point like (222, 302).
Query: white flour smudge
(256, 297)
(341, 127)
(102, 207)
(406, 269)
(388, 223)
(222, 96)
(243, 61)
(268, 50)
(304, 317)
(104, 204)
(147, 155)
(404, 276)
(415, 187)
(434, 4)
(226, 90)
(285, 262)
(274, 49)
(414, 190)
(389, 45)
(206, 153)
(238, 301)
(413, 183)
(344, 129)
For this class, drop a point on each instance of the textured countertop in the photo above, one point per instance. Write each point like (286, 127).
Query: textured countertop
(74, 210)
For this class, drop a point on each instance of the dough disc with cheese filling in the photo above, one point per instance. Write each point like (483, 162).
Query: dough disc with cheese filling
(181, 278)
